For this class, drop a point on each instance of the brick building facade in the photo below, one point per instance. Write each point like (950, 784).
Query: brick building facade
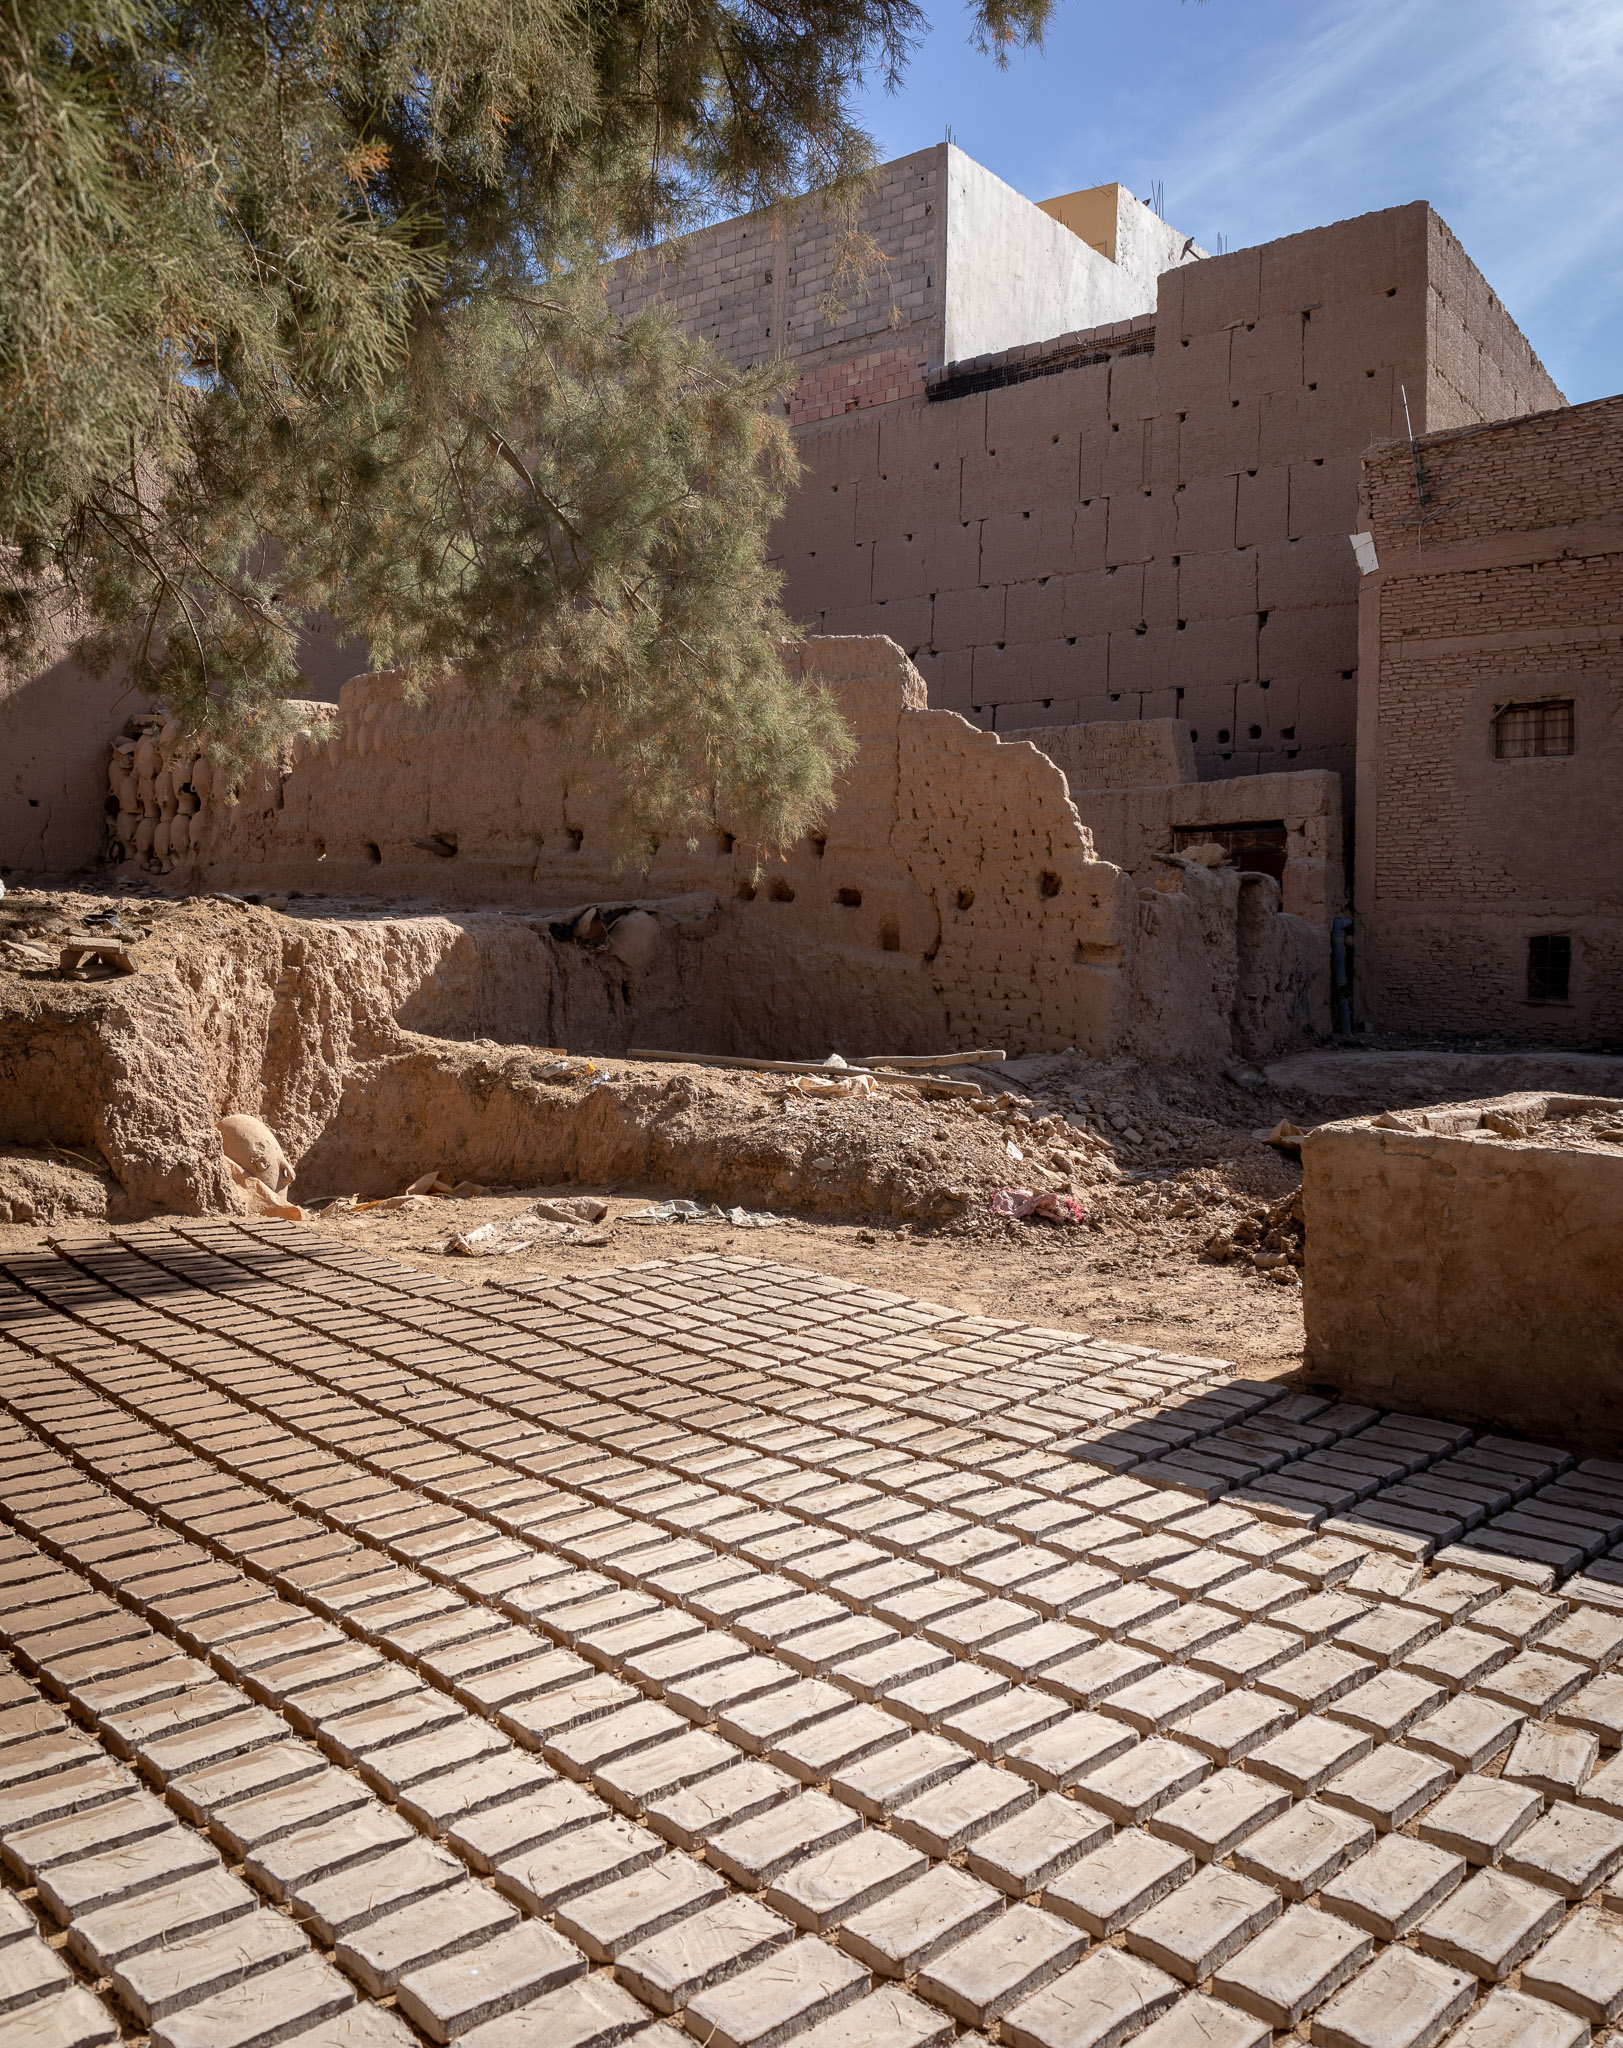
(1145, 517)
(1489, 891)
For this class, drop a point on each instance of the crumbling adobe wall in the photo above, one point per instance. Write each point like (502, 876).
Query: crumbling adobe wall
(953, 895)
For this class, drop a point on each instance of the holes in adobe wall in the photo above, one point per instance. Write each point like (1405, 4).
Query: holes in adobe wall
(1255, 731)
(890, 936)
(374, 852)
(1223, 737)
(321, 849)
(779, 890)
(724, 842)
(1049, 883)
(851, 898)
(576, 837)
(1287, 732)
(746, 892)
(819, 844)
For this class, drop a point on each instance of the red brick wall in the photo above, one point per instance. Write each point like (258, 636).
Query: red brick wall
(1501, 581)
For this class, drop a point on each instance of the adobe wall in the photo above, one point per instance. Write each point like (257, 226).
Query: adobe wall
(56, 723)
(952, 898)
(1510, 590)
(1151, 521)
(1430, 1284)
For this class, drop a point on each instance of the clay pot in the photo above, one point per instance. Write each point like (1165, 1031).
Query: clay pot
(169, 735)
(124, 828)
(144, 833)
(160, 840)
(146, 756)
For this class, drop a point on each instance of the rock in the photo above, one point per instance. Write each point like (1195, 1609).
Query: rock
(254, 1147)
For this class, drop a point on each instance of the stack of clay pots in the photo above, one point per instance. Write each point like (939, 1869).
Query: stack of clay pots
(161, 780)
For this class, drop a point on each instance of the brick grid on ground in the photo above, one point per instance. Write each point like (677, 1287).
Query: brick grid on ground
(715, 1644)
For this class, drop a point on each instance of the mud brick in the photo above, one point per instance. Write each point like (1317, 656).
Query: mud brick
(951, 1814)
(649, 1774)
(1115, 1614)
(979, 1978)
(1195, 1929)
(1581, 1967)
(103, 1938)
(31, 1973)
(1309, 1753)
(1031, 1651)
(1571, 1849)
(1117, 1882)
(1389, 1635)
(866, 1583)
(1597, 1706)
(74, 1789)
(904, 1930)
(813, 1753)
(1510, 2019)
(995, 1726)
(336, 1904)
(1095, 1675)
(1242, 1654)
(1061, 1755)
(678, 1963)
(135, 1688)
(104, 1828)
(77, 2019)
(753, 1852)
(1490, 1924)
(349, 1715)
(1135, 1785)
(1521, 1615)
(831, 1886)
(1256, 1594)
(175, 1973)
(242, 1817)
(273, 2005)
(1467, 1733)
(1388, 1787)
(507, 1775)
(1062, 1592)
(1588, 1634)
(1024, 1854)
(132, 1729)
(905, 1658)
(1303, 1848)
(162, 1757)
(479, 1984)
(928, 1702)
(727, 1603)
(1196, 1574)
(1402, 2000)
(582, 1750)
(710, 1805)
(1459, 1657)
(1387, 1705)
(708, 1650)
(1552, 1759)
(489, 1835)
(540, 1879)
(797, 1987)
(289, 1862)
(1536, 1682)
(1324, 1614)
(617, 1916)
(722, 1688)
(886, 2018)
(1218, 1814)
(383, 1949)
(1293, 1966)
(72, 1889)
(542, 1716)
(877, 1783)
(1200, 2022)
(1317, 1677)
(1169, 1694)
(1231, 1727)
(1479, 1818)
(767, 1718)
(1106, 1997)
(402, 1765)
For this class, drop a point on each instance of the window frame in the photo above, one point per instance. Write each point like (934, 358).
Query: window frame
(1540, 706)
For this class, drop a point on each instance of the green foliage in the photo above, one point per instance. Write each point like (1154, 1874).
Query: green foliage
(301, 313)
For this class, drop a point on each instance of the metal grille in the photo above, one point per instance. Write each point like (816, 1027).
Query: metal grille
(1521, 731)
(1549, 967)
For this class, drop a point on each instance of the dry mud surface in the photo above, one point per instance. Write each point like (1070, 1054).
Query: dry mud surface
(714, 1649)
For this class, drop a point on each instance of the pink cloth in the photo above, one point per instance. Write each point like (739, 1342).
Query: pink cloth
(1022, 1202)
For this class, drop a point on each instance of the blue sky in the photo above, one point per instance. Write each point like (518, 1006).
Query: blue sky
(1261, 117)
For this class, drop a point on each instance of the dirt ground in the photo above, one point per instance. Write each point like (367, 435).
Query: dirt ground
(1189, 1237)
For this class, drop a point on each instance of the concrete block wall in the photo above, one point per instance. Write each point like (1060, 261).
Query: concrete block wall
(1158, 528)
(1510, 589)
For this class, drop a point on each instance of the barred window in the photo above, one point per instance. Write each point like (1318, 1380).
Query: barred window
(1549, 967)
(1521, 731)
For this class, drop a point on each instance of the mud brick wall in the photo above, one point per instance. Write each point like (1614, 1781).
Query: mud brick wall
(952, 897)
(1159, 529)
(1501, 582)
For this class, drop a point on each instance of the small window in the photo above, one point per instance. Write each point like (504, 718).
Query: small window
(1549, 967)
(1522, 731)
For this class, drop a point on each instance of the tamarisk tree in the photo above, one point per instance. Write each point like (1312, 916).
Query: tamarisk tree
(302, 314)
